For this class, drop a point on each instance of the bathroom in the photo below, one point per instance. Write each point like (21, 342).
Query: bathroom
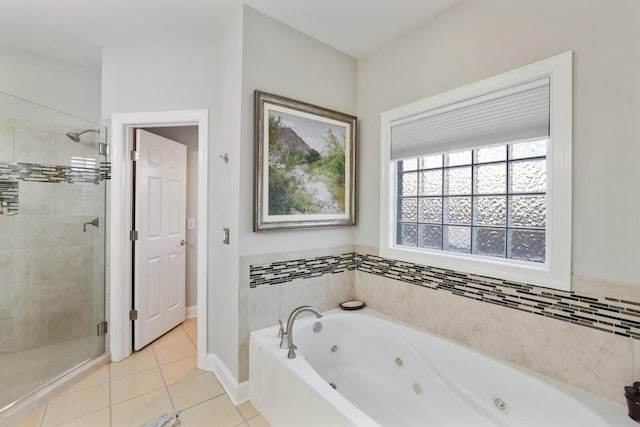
(465, 43)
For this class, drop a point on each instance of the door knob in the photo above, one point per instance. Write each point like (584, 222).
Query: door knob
(183, 242)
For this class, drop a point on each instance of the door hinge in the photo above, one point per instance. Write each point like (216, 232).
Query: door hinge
(133, 235)
(103, 149)
(135, 156)
(133, 315)
(103, 328)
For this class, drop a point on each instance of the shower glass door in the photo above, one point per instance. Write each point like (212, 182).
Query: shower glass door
(52, 245)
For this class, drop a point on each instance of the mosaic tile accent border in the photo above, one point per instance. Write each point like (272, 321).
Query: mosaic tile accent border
(105, 170)
(287, 271)
(9, 195)
(611, 315)
(10, 171)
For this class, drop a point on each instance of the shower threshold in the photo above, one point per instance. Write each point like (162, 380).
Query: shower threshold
(29, 374)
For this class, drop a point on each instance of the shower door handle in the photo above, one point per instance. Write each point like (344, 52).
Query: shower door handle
(183, 242)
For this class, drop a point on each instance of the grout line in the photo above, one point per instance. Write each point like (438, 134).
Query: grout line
(44, 411)
(181, 358)
(199, 403)
(83, 415)
(255, 416)
(187, 379)
(194, 341)
(164, 380)
(166, 388)
(245, 418)
(70, 391)
(131, 374)
(110, 405)
(140, 395)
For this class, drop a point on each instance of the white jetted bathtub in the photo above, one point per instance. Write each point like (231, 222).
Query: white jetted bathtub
(364, 369)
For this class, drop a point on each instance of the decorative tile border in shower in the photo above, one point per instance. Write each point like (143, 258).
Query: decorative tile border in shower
(10, 171)
(105, 170)
(9, 197)
(613, 315)
(287, 271)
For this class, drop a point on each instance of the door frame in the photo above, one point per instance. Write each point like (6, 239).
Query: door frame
(120, 252)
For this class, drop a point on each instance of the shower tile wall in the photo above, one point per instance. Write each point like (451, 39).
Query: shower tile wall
(47, 279)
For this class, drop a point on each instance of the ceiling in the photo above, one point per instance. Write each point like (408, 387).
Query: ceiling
(77, 30)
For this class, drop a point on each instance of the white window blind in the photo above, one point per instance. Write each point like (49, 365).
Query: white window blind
(517, 113)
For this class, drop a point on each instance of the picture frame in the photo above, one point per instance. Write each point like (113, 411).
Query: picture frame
(305, 165)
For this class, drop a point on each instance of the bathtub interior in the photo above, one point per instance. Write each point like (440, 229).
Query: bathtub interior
(398, 375)
(375, 369)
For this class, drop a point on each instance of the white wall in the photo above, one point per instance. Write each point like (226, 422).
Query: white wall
(475, 40)
(224, 197)
(188, 135)
(64, 86)
(158, 78)
(166, 78)
(278, 59)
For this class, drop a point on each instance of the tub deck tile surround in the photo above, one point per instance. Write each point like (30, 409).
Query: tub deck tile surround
(607, 314)
(589, 359)
(289, 270)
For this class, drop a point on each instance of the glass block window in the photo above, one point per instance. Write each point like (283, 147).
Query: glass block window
(488, 201)
(478, 179)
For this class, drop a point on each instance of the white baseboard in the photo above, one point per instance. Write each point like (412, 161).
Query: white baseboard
(191, 311)
(237, 392)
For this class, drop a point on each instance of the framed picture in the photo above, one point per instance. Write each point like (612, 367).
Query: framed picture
(305, 164)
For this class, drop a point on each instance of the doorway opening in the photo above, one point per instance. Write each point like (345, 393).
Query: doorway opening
(192, 128)
(164, 208)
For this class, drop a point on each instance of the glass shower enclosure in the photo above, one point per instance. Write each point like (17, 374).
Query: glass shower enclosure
(52, 245)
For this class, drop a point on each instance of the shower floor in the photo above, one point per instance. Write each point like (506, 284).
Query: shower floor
(23, 372)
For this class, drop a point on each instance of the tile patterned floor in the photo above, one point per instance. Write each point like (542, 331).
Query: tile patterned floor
(159, 379)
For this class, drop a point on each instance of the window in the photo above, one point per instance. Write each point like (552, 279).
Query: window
(487, 201)
(479, 179)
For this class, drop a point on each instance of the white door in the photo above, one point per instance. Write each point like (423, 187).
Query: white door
(160, 211)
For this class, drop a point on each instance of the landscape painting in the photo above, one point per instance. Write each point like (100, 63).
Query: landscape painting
(305, 159)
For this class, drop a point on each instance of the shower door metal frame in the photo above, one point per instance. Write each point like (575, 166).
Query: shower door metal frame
(122, 126)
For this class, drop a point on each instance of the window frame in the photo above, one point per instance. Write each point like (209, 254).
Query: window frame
(555, 272)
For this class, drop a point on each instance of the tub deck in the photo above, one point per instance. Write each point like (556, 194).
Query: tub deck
(387, 373)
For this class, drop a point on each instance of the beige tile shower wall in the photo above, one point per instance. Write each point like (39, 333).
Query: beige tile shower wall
(262, 306)
(596, 361)
(47, 264)
(26, 142)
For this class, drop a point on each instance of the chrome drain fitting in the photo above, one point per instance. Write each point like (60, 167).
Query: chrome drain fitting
(334, 348)
(399, 362)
